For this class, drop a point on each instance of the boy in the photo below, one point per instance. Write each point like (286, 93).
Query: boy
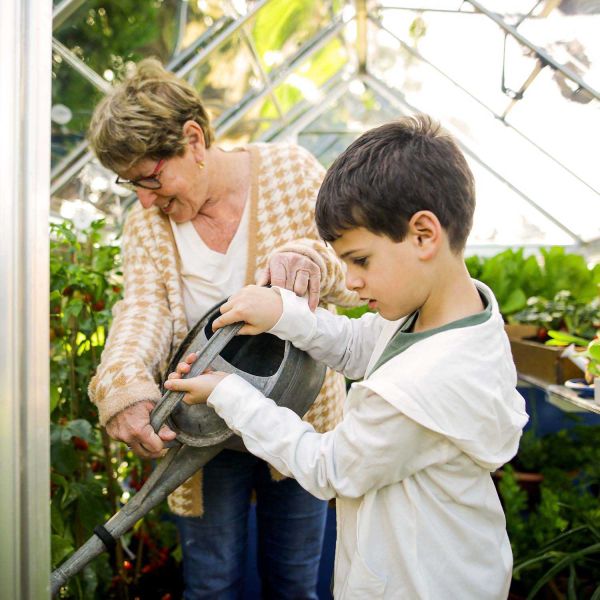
(436, 410)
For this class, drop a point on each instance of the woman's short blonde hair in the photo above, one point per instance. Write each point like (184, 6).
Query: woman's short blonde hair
(143, 117)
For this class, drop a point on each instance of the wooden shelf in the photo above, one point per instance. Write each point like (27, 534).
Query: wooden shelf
(560, 396)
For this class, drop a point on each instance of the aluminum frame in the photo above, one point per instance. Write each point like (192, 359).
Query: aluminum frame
(25, 43)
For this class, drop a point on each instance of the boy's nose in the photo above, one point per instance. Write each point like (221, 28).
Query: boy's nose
(146, 197)
(353, 283)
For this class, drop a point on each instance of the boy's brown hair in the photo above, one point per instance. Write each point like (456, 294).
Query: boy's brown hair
(390, 173)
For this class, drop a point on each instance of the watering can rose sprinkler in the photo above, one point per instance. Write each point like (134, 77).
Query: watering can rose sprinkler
(279, 370)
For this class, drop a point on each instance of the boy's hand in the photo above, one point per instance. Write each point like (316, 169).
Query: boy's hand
(198, 388)
(259, 307)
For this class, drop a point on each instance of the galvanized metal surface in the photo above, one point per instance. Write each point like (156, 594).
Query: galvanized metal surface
(25, 43)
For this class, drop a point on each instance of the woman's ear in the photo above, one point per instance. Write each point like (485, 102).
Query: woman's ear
(195, 136)
(427, 233)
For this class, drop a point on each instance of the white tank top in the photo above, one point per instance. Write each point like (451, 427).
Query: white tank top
(208, 276)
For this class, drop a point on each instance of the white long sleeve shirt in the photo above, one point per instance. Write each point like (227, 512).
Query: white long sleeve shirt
(418, 515)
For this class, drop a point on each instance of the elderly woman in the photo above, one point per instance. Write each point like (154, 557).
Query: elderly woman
(208, 222)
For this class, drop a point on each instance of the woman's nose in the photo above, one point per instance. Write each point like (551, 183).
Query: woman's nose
(146, 197)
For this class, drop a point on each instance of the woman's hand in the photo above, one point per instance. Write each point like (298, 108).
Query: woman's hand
(198, 388)
(295, 272)
(132, 426)
(259, 307)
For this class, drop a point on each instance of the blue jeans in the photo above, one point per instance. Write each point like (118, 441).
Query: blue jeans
(290, 524)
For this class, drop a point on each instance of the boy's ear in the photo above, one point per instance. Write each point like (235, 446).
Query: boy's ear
(195, 136)
(426, 232)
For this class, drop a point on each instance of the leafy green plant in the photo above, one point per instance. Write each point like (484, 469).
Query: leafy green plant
(563, 312)
(512, 277)
(91, 476)
(554, 533)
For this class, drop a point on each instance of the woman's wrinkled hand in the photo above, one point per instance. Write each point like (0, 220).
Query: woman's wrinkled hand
(294, 272)
(132, 426)
(197, 389)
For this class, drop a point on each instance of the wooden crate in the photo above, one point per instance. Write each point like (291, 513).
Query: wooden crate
(535, 359)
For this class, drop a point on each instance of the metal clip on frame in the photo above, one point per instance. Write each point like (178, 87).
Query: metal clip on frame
(180, 462)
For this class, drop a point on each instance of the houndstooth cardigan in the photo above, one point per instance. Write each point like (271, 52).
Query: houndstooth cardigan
(150, 323)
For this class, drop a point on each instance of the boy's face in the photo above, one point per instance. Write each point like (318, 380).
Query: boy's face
(384, 272)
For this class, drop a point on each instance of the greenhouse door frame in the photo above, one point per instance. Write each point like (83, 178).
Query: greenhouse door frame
(25, 71)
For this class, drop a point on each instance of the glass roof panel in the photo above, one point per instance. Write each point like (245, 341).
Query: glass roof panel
(501, 217)
(546, 157)
(291, 71)
(226, 75)
(281, 27)
(73, 99)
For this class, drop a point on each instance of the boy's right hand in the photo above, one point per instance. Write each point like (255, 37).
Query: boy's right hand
(259, 307)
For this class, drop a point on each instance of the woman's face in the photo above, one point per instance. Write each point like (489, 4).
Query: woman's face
(183, 185)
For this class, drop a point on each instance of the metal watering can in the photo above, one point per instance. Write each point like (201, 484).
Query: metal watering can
(279, 370)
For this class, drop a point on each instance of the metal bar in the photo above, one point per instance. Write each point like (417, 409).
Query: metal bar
(181, 17)
(79, 149)
(483, 105)
(316, 111)
(361, 35)
(302, 107)
(395, 98)
(63, 11)
(71, 171)
(542, 54)
(537, 69)
(25, 43)
(79, 66)
(265, 78)
(203, 38)
(220, 39)
(421, 9)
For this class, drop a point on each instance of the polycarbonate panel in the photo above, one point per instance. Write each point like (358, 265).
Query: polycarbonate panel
(501, 217)
(73, 100)
(107, 34)
(282, 26)
(564, 128)
(91, 193)
(226, 76)
(306, 81)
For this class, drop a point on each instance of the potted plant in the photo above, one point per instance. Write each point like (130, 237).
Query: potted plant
(554, 531)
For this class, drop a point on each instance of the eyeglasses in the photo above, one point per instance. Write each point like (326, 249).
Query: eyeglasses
(148, 183)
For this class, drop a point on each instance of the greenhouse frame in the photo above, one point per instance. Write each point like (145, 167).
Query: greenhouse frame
(516, 83)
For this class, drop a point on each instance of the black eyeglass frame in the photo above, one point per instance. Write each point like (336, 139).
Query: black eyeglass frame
(148, 183)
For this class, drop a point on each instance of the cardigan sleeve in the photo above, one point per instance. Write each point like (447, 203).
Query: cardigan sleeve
(141, 332)
(308, 241)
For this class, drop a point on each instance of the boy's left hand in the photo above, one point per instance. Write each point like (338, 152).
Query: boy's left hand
(198, 388)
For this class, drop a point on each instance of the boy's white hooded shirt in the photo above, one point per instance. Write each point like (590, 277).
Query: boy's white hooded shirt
(418, 516)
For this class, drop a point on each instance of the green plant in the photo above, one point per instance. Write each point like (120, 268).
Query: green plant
(592, 353)
(563, 312)
(91, 476)
(512, 277)
(515, 278)
(554, 535)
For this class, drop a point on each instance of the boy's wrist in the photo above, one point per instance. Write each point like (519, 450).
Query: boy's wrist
(296, 320)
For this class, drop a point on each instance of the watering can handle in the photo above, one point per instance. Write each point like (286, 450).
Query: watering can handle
(206, 355)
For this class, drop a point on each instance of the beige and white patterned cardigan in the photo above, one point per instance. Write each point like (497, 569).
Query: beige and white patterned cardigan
(150, 323)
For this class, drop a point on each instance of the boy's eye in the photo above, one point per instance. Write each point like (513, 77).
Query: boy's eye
(360, 261)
